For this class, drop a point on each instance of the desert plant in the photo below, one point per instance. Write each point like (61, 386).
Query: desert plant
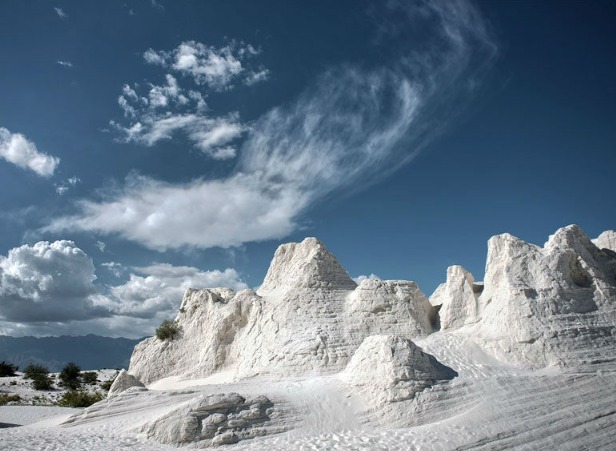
(39, 375)
(5, 399)
(80, 398)
(7, 369)
(41, 382)
(34, 369)
(89, 377)
(70, 376)
(167, 330)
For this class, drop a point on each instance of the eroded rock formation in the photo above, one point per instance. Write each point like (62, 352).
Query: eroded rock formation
(539, 305)
(308, 317)
(214, 420)
(388, 368)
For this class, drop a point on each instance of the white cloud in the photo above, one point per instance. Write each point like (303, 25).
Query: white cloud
(17, 149)
(253, 77)
(115, 268)
(101, 246)
(350, 128)
(168, 109)
(50, 288)
(212, 136)
(160, 288)
(65, 63)
(229, 213)
(216, 68)
(61, 14)
(63, 187)
(48, 282)
(363, 277)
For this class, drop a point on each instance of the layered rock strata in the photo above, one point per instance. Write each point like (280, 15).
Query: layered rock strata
(387, 368)
(308, 317)
(214, 420)
(539, 306)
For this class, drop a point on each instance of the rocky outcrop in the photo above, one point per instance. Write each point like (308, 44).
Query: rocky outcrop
(457, 298)
(308, 317)
(209, 322)
(388, 368)
(537, 306)
(214, 420)
(540, 305)
(122, 382)
(607, 240)
(305, 265)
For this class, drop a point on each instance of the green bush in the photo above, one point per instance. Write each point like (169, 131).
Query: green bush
(41, 381)
(167, 330)
(5, 399)
(89, 377)
(34, 369)
(7, 369)
(80, 398)
(39, 375)
(70, 376)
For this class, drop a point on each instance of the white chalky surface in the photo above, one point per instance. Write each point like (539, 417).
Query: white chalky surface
(346, 367)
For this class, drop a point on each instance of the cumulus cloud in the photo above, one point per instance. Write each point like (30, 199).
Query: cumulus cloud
(52, 287)
(351, 127)
(361, 278)
(167, 109)
(17, 149)
(48, 282)
(216, 68)
(160, 288)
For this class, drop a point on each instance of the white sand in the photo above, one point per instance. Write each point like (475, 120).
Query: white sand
(490, 405)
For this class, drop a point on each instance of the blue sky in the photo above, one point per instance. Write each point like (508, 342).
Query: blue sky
(148, 146)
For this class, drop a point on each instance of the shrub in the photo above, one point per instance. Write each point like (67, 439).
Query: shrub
(70, 376)
(89, 377)
(167, 330)
(41, 381)
(5, 399)
(7, 369)
(34, 369)
(80, 398)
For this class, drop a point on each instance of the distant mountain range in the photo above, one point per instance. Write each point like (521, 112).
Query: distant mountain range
(89, 352)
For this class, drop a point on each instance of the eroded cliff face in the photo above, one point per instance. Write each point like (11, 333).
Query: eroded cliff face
(539, 306)
(308, 317)
(607, 240)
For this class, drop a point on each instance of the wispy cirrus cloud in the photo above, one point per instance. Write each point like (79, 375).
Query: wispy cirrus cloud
(17, 149)
(64, 63)
(351, 127)
(60, 12)
(63, 187)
